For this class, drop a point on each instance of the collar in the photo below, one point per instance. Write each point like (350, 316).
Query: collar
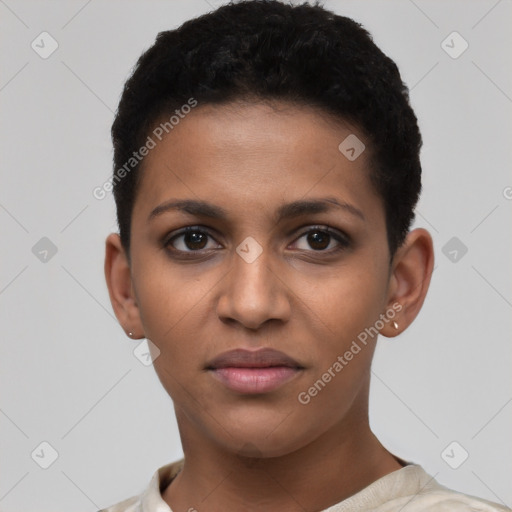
(403, 484)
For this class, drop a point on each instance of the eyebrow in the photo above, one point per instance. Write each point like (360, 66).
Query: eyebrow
(286, 211)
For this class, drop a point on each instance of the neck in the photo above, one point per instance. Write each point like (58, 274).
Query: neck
(328, 470)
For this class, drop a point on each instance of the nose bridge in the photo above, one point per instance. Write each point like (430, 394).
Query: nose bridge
(252, 274)
(253, 293)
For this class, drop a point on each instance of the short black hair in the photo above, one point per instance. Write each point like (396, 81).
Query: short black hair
(270, 50)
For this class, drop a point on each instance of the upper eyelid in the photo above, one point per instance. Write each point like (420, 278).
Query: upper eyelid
(185, 230)
(322, 227)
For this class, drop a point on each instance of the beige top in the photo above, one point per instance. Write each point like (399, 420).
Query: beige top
(410, 486)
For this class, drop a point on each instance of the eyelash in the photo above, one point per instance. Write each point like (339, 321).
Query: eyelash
(342, 239)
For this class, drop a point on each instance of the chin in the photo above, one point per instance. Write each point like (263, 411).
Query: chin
(263, 436)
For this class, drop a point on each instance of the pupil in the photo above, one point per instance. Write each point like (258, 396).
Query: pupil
(318, 240)
(195, 240)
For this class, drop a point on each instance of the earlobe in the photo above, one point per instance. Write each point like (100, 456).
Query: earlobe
(411, 271)
(120, 287)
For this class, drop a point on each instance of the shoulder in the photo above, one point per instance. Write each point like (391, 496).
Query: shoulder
(128, 505)
(431, 496)
(151, 497)
(452, 501)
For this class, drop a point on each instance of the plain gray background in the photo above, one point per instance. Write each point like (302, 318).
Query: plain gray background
(68, 373)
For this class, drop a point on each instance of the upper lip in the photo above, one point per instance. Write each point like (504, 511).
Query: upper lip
(261, 358)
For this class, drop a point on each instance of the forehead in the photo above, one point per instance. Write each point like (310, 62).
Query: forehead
(252, 156)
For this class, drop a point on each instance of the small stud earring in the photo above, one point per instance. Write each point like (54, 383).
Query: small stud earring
(395, 325)
(130, 334)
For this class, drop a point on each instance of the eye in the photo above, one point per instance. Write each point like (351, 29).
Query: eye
(322, 239)
(190, 239)
(194, 239)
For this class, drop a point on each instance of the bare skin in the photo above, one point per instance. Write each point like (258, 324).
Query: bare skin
(268, 451)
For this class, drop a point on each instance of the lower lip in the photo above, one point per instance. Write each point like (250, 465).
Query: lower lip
(255, 380)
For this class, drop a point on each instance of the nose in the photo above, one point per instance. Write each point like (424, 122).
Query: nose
(253, 293)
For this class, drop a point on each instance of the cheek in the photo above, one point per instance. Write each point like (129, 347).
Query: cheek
(170, 307)
(165, 296)
(343, 302)
(342, 309)
(171, 317)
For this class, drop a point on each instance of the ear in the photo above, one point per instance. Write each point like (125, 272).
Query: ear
(411, 270)
(120, 288)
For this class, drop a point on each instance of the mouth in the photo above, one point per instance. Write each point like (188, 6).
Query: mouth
(253, 372)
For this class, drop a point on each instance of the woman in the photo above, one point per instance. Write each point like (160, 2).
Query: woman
(266, 170)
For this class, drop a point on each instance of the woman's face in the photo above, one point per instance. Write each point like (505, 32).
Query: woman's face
(246, 277)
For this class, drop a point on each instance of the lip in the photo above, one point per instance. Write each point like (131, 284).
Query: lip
(253, 372)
